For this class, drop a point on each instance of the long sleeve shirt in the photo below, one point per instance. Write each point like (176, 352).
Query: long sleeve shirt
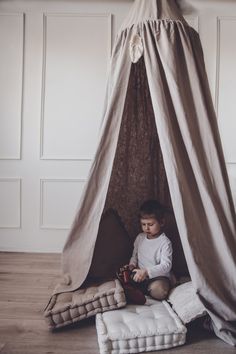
(155, 255)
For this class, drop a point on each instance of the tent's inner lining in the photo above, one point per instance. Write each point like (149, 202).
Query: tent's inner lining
(138, 171)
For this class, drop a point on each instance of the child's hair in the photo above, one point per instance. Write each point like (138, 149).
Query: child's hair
(152, 207)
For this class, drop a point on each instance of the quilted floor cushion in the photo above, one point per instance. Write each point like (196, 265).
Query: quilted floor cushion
(186, 303)
(71, 307)
(139, 328)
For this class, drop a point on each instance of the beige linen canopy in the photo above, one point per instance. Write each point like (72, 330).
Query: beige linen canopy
(160, 139)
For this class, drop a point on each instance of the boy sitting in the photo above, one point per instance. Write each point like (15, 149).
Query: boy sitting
(151, 261)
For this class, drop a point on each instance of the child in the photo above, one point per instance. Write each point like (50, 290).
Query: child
(151, 260)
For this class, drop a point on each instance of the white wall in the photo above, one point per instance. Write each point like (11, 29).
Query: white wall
(53, 67)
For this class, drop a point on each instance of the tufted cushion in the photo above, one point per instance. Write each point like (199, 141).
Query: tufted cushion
(113, 247)
(186, 303)
(139, 328)
(71, 307)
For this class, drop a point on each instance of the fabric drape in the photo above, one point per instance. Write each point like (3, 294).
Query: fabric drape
(195, 166)
(138, 164)
(180, 104)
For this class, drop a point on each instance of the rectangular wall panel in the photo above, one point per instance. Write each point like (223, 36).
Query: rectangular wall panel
(76, 53)
(10, 203)
(11, 83)
(59, 200)
(226, 70)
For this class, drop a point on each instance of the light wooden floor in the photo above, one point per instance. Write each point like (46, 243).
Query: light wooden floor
(26, 282)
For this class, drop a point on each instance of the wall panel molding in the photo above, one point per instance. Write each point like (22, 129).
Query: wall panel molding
(43, 195)
(10, 207)
(50, 16)
(13, 40)
(217, 89)
(220, 21)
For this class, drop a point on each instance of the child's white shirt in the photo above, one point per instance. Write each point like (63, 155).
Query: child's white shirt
(155, 255)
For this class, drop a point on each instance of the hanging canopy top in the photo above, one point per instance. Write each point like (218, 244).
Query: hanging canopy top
(144, 10)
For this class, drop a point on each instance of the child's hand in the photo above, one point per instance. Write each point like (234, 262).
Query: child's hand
(140, 275)
(132, 267)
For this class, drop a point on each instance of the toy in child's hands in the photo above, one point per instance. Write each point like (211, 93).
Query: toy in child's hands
(132, 293)
(125, 274)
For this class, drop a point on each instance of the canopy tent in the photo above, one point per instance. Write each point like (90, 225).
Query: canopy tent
(160, 139)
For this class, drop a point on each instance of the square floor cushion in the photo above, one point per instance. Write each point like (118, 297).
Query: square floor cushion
(71, 307)
(186, 303)
(139, 328)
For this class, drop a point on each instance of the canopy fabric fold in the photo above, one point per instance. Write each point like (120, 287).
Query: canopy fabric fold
(195, 178)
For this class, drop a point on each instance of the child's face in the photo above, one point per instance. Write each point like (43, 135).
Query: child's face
(151, 226)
